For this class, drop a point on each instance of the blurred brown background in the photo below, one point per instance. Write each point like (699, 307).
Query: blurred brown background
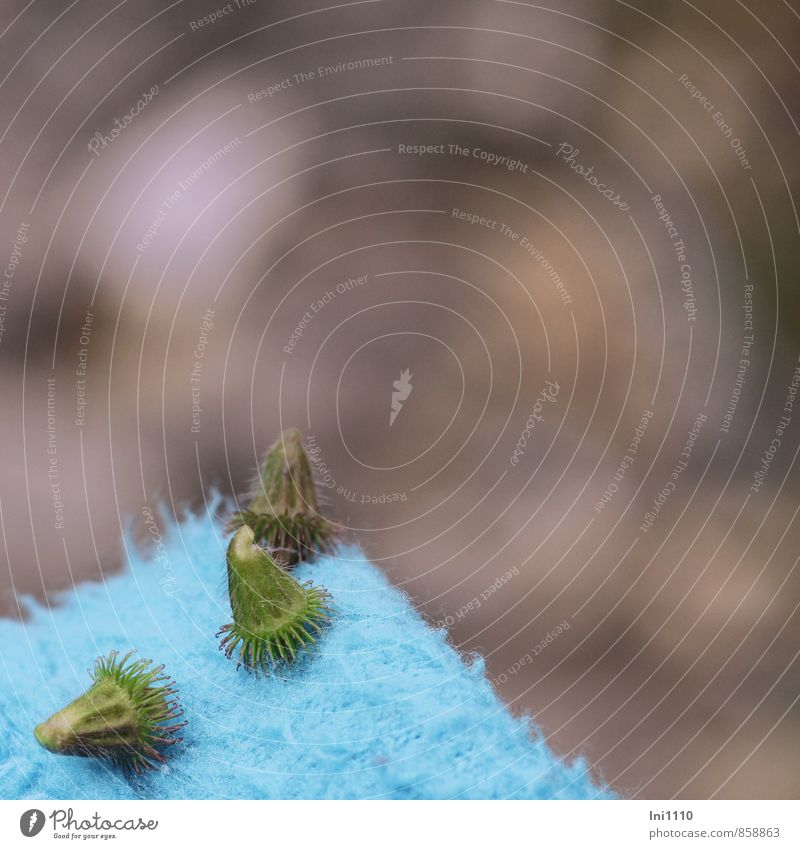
(182, 196)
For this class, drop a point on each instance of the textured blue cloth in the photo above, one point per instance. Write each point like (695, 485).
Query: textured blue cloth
(384, 708)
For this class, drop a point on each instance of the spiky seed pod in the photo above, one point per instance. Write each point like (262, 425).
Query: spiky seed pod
(274, 615)
(128, 715)
(284, 512)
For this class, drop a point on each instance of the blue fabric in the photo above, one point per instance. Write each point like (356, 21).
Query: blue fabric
(384, 708)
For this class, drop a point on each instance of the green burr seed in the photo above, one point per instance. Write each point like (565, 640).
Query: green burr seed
(127, 716)
(274, 615)
(284, 512)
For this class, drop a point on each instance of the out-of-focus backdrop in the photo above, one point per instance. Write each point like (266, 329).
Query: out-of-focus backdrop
(524, 274)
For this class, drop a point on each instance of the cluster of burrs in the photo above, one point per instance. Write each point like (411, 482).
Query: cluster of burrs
(129, 714)
(274, 615)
